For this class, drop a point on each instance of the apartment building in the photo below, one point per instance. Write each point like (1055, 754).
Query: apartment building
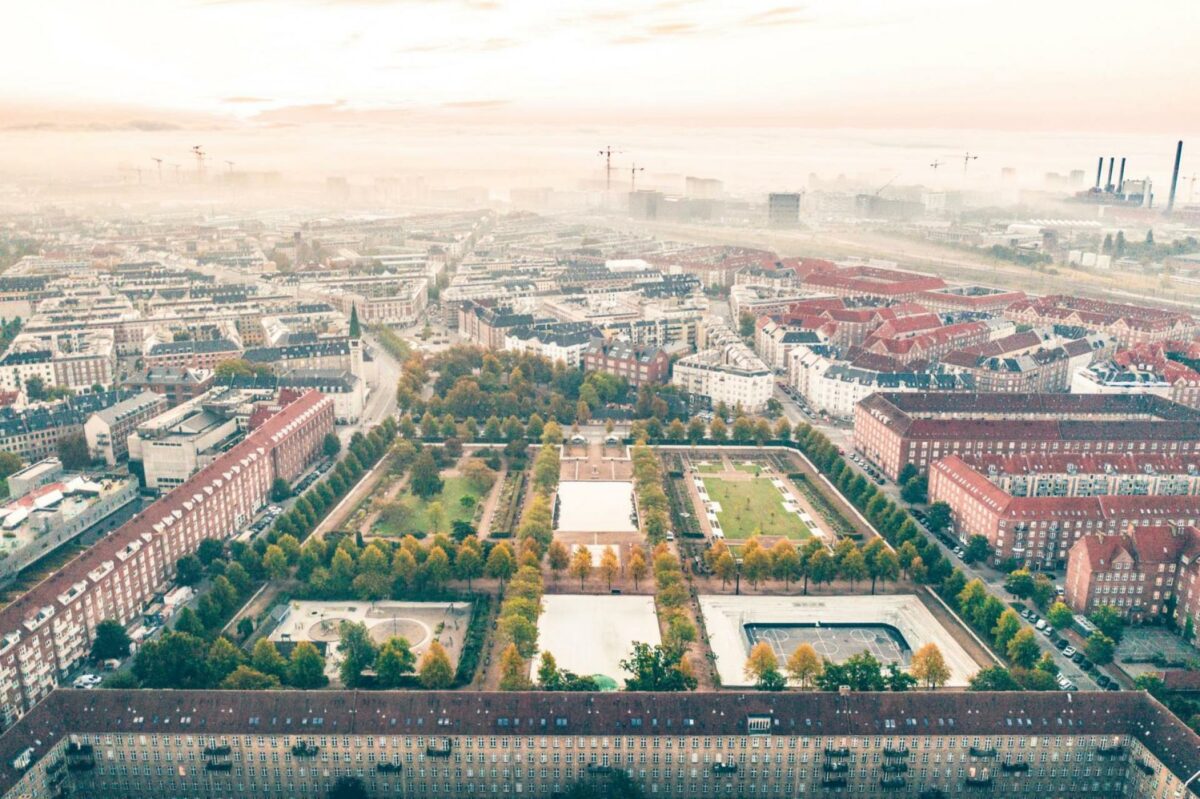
(108, 430)
(76, 359)
(1136, 572)
(894, 429)
(45, 632)
(638, 365)
(33, 433)
(1040, 530)
(872, 280)
(486, 324)
(339, 352)
(1027, 363)
(1130, 325)
(151, 744)
(203, 354)
(177, 384)
(559, 342)
(972, 299)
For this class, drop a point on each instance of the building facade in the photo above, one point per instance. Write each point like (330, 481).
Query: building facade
(153, 744)
(108, 431)
(638, 365)
(1135, 572)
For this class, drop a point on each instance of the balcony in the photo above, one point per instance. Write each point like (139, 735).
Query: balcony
(1144, 767)
(81, 765)
(979, 782)
(901, 751)
(79, 749)
(978, 752)
(220, 767)
(1111, 751)
(835, 768)
(894, 768)
(217, 751)
(891, 783)
(724, 768)
(302, 750)
(598, 768)
(389, 768)
(440, 750)
(838, 752)
(1014, 767)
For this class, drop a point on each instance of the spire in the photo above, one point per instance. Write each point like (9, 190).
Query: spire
(355, 327)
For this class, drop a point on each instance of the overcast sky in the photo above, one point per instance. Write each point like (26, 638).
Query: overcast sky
(1000, 64)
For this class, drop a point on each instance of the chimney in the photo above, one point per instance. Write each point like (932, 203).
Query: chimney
(1099, 171)
(1174, 177)
(1121, 176)
(1108, 183)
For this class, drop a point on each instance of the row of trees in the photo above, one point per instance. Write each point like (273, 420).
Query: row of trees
(518, 623)
(391, 664)
(861, 672)
(184, 660)
(648, 486)
(813, 561)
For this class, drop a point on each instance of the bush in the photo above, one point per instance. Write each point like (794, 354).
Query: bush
(468, 660)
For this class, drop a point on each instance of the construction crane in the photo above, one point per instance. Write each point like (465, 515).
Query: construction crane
(633, 170)
(608, 153)
(967, 159)
(936, 163)
(198, 151)
(885, 185)
(158, 161)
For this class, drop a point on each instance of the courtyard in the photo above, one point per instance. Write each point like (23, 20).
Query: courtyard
(591, 635)
(596, 506)
(889, 627)
(752, 504)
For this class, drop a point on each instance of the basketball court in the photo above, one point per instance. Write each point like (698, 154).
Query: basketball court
(835, 643)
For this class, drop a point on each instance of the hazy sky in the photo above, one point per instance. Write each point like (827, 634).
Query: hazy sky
(1004, 64)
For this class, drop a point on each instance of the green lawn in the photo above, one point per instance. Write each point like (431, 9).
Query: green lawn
(749, 468)
(417, 520)
(753, 504)
(710, 468)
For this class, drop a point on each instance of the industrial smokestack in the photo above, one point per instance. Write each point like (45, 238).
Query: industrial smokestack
(1111, 163)
(1121, 176)
(1175, 177)
(1099, 170)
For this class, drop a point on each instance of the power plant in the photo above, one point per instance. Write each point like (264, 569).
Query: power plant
(1132, 193)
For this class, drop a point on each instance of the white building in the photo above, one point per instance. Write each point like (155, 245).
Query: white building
(730, 374)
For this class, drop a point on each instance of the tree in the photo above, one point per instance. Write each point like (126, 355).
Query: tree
(558, 558)
(1109, 621)
(993, 678)
(821, 568)
(424, 480)
(73, 451)
(1060, 616)
(513, 672)
(1022, 648)
(804, 665)
(331, 445)
(785, 561)
(306, 668)
(1008, 625)
(280, 490)
(435, 671)
(500, 563)
(1099, 648)
(188, 570)
(209, 550)
(897, 680)
(717, 430)
(761, 660)
(725, 567)
(657, 668)
(1019, 583)
(938, 518)
(468, 563)
(111, 641)
(394, 662)
(275, 562)
(174, 660)
(915, 490)
(638, 569)
(609, 566)
(756, 562)
(223, 658)
(357, 650)
(852, 566)
(977, 549)
(266, 658)
(929, 667)
(549, 678)
(581, 565)
(861, 672)
(246, 678)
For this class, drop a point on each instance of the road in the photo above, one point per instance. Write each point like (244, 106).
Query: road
(843, 437)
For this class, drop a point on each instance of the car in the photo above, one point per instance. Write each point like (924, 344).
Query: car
(958, 551)
(1087, 665)
(1113, 686)
(1040, 625)
(670, 535)
(1063, 681)
(1026, 613)
(1102, 680)
(1072, 687)
(1078, 657)
(1048, 631)
(1069, 652)
(87, 681)
(1061, 643)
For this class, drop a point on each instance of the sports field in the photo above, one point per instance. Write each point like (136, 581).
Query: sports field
(747, 505)
(835, 643)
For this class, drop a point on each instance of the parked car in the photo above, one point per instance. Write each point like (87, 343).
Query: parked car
(87, 681)
(1069, 652)
(1041, 624)
(1026, 613)
(1078, 657)
(1102, 680)
(1061, 643)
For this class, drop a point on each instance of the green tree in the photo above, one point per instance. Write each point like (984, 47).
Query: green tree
(111, 641)
(861, 672)
(73, 452)
(275, 562)
(173, 660)
(1008, 625)
(977, 549)
(355, 327)
(1019, 583)
(1099, 648)
(435, 671)
(1060, 616)
(938, 518)
(188, 570)
(357, 651)
(424, 480)
(266, 658)
(1022, 648)
(223, 658)
(993, 678)
(306, 668)
(331, 445)
(348, 788)
(657, 668)
(1109, 621)
(245, 678)
(280, 490)
(394, 662)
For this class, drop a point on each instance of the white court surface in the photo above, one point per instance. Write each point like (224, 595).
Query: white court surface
(590, 634)
(726, 617)
(595, 506)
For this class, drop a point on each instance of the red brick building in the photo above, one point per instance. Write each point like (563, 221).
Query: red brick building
(638, 365)
(1040, 530)
(47, 631)
(1130, 325)
(895, 429)
(872, 281)
(1136, 572)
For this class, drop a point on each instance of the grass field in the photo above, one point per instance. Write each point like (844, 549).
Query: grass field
(710, 468)
(753, 504)
(417, 520)
(749, 468)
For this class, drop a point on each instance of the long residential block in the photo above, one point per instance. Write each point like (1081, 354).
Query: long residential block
(49, 629)
(157, 744)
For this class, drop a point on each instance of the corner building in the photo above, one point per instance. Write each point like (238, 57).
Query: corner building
(167, 744)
